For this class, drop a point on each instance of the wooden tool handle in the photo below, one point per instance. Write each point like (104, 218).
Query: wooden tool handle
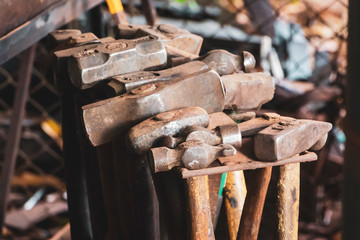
(257, 185)
(288, 201)
(200, 215)
(234, 196)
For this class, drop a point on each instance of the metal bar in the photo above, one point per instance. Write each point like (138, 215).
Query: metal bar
(247, 164)
(288, 201)
(12, 145)
(38, 27)
(351, 209)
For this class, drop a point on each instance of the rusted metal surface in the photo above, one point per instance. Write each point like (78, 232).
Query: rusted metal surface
(255, 125)
(106, 119)
(200, 214)
(246, 116)
(191, 155)
(102, 61)
(32, 30)
(144, 135)
(247, 92)
(224, 134)
(127, 82)
(288, 201)
(234, 197)
(179, 42)
(288, 138)
(58, 36)
(241, 162)
(12, 144)
(225, 63)
(257, 183)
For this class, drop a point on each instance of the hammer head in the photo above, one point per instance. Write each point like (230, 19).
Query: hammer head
(225, 63)
(171, 36)
(106, 119)
(58, 36)
(288, 138)
(144, 135)
(190, 154)
(247, 92)
(127, 82)
(102, 61)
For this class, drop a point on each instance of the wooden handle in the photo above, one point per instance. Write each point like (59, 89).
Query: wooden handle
(234, 196)
(257, 185)
(288, 201)
(200, 215)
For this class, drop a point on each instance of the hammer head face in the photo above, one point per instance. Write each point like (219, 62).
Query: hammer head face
(102, 61)
(144, 135)
(127, 82)
(288, 138)
(247, 92)
(104, 120)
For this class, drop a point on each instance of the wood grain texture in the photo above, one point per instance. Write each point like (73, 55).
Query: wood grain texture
(234, 197)
(257, 185)
(200, 214)
(288, 201)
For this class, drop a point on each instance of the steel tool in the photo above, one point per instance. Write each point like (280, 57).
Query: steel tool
(101, 61)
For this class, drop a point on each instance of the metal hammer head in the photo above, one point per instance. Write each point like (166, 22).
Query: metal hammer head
(225, 63)
(106, 119)
(288, 138)
(246, 92)
(144, 135)
(102, 61)
(191, 155)
(172, 36)
(127, 82)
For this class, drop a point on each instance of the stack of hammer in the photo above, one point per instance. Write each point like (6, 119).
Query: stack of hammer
(145, 111)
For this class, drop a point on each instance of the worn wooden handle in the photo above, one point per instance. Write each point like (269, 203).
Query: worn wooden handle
(288, 201)
(200, 215)
(257, 185)
(234, 196)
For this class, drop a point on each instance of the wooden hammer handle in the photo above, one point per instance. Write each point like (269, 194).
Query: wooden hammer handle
(234, 196)
(200, 214)
(257, 185)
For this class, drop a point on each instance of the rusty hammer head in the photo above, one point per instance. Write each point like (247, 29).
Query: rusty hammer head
(126, 82)
(106, 119)
(102, 61)
(191, 155)
(225, 63)
(144, 135)
(179, 42)
(246, 92)
(290, 137)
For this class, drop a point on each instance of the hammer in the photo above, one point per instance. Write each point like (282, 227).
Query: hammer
(174, 156)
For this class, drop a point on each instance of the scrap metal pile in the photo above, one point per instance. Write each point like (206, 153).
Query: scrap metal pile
(148, 103)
